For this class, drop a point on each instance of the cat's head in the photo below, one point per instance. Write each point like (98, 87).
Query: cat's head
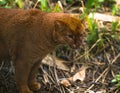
(69, 30)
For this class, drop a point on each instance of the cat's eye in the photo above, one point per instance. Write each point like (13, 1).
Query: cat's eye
(71, 36)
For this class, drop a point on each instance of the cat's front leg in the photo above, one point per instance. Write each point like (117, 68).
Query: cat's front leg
(24, 89)
(33, 84)
(22, 71)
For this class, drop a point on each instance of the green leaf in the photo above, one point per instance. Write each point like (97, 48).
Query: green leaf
(100, 1)
(57, 8)
(90, 3)
(20, 3)
(114, 26)
(118, 85)
(44, 5)
(7, 6)
(2, 2)
(70, 1)
(114, 80)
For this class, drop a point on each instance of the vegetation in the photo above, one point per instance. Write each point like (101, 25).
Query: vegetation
(117, 81)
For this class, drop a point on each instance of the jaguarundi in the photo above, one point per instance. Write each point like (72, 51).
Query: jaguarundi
(27, 36)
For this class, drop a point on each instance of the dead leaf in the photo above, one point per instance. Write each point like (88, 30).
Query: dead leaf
(89, 91)
(65, 82)
(48, 60)
(71, 92)
(80, 75)
(104, 17)
(117, 2)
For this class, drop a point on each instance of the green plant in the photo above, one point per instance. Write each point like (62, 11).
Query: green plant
(115, 9)
(115, 26)
(2, 2)
(57, 8)
(19, 3)
(93, 28)
(69, 1)
(44, 5)
(48, 8)
(92, 25)
(117, 81)
(93, 35)
(11, 3)
(93, 3)
(6, 3)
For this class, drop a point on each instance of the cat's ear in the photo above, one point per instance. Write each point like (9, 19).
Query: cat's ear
(59, 25)
(80, 17)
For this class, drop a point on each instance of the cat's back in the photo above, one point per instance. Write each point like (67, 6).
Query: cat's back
(7, 14)
(17, 16)
(16, 23)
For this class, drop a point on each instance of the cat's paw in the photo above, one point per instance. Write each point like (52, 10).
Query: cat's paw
(35, 86)
(25, 89)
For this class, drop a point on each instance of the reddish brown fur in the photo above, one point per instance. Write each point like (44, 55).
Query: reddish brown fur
(27, 36)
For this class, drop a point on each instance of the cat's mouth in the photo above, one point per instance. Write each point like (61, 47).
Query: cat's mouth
(77, 43)
(73, 44)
